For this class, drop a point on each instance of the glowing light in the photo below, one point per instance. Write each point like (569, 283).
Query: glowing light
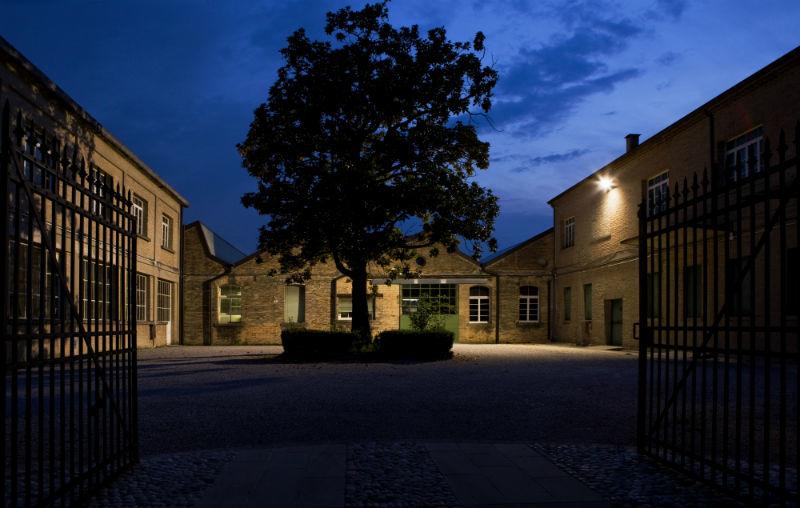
(605, 183)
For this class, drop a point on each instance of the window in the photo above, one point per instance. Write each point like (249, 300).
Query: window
(139, 209)
(41, 304)
(587, 302)
(658, 193)
(744, 153)
(567, 304)
(100, 185)
(478, 304)
(738, 295)
(568, 236)
(96, 291)
(164, 301)
(142, 297)
(692, 290)
(344, 307)
(166, 232)
(230, 304)
(529, 304)
(294, 304)
(654, 295)
(441, 296)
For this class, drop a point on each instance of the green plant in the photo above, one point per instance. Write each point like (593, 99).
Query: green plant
(407, 343)
(426, 317)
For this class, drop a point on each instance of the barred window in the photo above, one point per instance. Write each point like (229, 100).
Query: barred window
(96, 290)
(230, 304)
(142, 297)
(478, 304)
(529, 304)
(164, 301)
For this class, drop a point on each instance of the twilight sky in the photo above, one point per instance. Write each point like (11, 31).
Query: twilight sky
(177, 80)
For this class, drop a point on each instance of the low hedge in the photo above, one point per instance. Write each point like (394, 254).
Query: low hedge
(407, 343)
(316, 342)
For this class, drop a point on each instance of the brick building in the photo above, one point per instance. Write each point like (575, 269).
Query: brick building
(230, 298)
(158, 207)
(595, 255)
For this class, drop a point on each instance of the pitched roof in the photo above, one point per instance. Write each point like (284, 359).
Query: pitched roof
(219, 247)
(508, 250)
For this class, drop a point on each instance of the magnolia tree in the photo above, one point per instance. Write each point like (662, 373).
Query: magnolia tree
(365, 149)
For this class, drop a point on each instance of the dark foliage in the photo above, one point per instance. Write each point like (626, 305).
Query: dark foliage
(316, 343)
(411, 344)
(365, 149)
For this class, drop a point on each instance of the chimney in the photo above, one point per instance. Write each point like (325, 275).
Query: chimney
(631, 142)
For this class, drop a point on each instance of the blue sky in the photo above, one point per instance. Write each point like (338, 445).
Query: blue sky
(177, 80)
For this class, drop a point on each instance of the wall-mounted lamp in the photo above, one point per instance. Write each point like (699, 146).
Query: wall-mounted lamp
(605, 183)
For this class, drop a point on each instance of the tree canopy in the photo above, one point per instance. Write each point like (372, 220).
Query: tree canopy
(366, 147)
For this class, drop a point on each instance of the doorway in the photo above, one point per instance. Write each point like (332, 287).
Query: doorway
(614, 322)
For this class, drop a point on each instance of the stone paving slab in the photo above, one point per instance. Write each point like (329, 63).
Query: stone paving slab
(477, 474)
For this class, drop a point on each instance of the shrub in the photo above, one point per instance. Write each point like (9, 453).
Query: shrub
(297, 342)
(407, 343)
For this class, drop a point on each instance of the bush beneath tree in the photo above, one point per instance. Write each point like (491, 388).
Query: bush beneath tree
(415, 344)
(317, 343)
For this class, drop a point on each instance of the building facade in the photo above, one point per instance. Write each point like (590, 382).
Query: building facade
(157, 206)
(230, 298)
(595, 273)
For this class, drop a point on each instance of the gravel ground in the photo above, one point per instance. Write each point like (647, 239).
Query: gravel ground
(395, 474)
(626, 479)
(197, 398)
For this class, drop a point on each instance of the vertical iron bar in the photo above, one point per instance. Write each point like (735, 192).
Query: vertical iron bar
(782, 258)
(644, 329)
(767, 322)
(5, 162)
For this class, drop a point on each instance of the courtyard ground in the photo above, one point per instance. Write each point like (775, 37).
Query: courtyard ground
(211, 397)
(497, 425)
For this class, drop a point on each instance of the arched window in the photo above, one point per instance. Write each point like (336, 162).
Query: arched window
(529, 304)
(230, 304)
(478, 304)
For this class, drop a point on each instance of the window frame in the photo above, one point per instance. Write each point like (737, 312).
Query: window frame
(141, 222)
(568, 233)
(567, 296)
(232, 301)
(587, 302)
(166, 232)
(482, 305)
(144, 292)
(530, 302)
(161, 298)
(658, 193)
(740, 145)
(301, 306)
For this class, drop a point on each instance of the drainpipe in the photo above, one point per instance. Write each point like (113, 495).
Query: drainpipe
(549, 310)
(180, 284)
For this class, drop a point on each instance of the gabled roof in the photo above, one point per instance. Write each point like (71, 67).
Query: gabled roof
(10, 52)
(790, 58)
(217, 246)
(508, 250)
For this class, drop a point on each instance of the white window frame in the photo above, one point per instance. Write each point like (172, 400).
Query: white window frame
(344, 315)
(658, 193)
(166, 232)
(568, 231)
(139, 210)
(739, 149)
(481, 303)
(142, 297)
(530, 303)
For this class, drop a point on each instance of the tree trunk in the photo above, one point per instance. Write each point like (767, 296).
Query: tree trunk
(360, 321)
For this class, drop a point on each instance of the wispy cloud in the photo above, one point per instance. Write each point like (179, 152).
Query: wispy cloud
(523, 163)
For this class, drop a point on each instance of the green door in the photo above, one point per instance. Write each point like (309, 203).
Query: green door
(615, 328)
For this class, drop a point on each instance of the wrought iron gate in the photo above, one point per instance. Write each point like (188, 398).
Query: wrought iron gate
(67, 318)
(719, 307)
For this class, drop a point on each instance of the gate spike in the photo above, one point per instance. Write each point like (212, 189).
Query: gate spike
(695, 185)
(677, 193)
(782, 146)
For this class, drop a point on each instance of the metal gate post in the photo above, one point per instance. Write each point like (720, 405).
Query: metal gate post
(644, 330)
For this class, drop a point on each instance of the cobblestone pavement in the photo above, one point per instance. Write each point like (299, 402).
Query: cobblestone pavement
(403, 474)
(198, 398)
(629, 480)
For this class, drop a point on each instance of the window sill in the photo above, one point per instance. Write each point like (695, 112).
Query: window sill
(529, 323)
(480, 322)
(142, 237)
(227, 325)
(168, 249)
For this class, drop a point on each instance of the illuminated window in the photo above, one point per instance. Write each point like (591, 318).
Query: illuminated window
(478, 304)
(230, 304)
(529, 304)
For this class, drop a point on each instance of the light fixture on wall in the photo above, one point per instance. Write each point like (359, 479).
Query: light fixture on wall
(605, 183)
